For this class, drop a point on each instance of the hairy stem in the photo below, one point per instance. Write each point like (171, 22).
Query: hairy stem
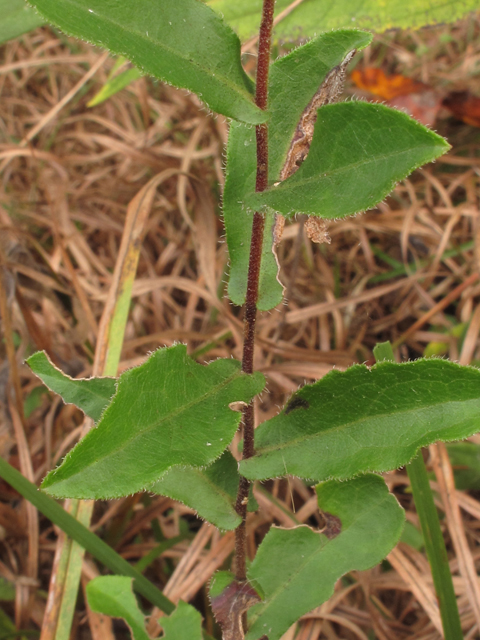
(261, 100)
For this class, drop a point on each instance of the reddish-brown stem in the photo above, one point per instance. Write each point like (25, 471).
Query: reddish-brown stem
(261, 99)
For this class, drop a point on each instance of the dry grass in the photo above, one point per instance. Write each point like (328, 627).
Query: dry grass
(67, 174)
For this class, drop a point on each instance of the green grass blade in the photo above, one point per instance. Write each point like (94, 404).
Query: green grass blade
(435, 547)
(114, 85)
(88, 540)
(434, 542)
(157, 551)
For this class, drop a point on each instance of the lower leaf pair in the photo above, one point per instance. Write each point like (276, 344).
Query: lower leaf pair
(168, 426)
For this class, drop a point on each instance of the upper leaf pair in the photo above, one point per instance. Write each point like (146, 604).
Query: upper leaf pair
(293, 81)
(357, 154)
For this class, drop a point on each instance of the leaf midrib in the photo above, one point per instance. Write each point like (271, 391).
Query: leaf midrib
(240, 91)
(213, 390)
(358, 422)
(86, 388)
(283, 188)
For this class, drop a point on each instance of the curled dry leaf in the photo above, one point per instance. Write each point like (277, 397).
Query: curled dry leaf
(329, 91)
(229, 606)
(317, 230)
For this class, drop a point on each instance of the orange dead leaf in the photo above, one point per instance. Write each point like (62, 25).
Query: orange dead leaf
(386, 87)
(403, 93)
(464, 107)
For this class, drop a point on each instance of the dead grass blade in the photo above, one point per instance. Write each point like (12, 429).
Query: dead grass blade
(205, 236)
(443, 471)
(292, 317)
(418, 586)
(107, 357)
(64, 101)
(442, 304)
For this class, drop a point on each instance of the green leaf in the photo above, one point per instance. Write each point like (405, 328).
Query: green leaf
(294, 79)
(182, 42)
(359, 152)
(465, 459)
(412, 536)
(17, 18)
(168, 411)
(309, 18)
(435, 547)
(7, 589)
(211, 491)
(185, 623)
(219, 582)
(34, 400)
(113, 596)
(114, 85)
(91, 395)
(366, 419)
(296, 569)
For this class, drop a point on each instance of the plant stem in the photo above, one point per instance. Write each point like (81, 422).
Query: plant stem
(261, 100)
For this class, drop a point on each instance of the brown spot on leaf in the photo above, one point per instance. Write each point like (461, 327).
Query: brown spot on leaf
(296, 402)
(229, 607)
(333, 525)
